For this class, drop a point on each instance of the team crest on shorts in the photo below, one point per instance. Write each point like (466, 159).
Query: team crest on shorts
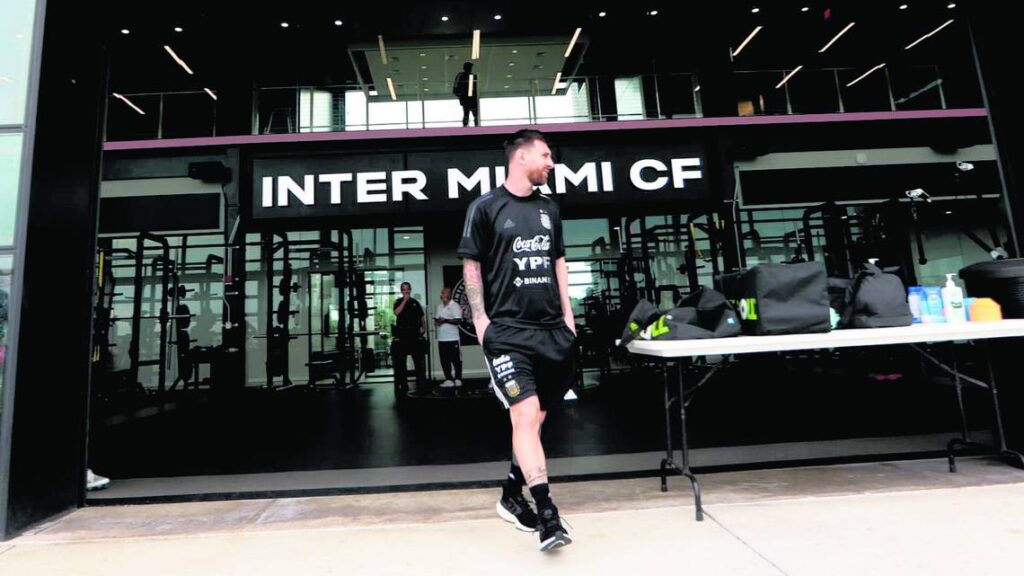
(512, 389)
(545, 220)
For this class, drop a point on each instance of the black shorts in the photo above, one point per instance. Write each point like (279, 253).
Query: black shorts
(526, 362)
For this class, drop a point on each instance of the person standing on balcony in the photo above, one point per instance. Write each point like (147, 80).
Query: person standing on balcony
(467, 90)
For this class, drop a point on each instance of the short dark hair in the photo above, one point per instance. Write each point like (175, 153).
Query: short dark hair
(520, 139)
(467, 66)
(404, 284)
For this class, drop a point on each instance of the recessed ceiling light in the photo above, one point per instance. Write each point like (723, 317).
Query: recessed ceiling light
(125, 31)
(506, 86)
(284, 24)
(128, 102)
(747, 41)
(602, 14)
(177, 59)
(178, 29)
(572, 42)
(904, 6)
(866, 74)
(423, 67)
(652, 13)
(426, 79)
(951, 5)
(755, 10)
(423, 53)
(426, 89)
(788, 76)
(338, 22)
(497, 16)
(836, 37)
(508, 75)
(444, 18)
(805, 9)
(515, 51)
(511, 63)
(929, 35)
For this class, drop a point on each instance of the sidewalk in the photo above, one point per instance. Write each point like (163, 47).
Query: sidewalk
(890, 518)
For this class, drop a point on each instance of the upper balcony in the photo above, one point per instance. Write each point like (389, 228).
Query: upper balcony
(578, 99)
(234, 74)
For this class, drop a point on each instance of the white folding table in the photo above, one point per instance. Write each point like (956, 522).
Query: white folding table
(674, 351)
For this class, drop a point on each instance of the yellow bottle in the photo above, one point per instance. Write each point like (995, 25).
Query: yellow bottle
(986, 310)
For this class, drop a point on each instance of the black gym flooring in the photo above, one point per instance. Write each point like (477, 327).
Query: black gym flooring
(762, 400)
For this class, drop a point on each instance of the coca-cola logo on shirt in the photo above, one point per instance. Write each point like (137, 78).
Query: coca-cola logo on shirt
(539, 243)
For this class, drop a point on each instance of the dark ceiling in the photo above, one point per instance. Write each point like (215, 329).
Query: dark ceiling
(232, 42)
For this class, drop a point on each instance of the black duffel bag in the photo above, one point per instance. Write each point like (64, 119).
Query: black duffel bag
(780, 298)
(703, 314)
(876, 298)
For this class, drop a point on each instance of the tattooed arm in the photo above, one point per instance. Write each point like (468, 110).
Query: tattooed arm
(475, 294)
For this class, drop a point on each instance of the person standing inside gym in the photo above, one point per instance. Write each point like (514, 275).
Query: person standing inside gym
(447, 319)
(410, 327)
(517, 285)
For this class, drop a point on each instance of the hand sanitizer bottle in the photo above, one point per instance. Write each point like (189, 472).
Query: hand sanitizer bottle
(953, 301)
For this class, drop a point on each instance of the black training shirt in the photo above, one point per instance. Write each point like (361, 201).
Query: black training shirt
(517, 241)
(409, 322)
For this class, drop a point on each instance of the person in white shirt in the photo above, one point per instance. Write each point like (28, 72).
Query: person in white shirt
(447, 320)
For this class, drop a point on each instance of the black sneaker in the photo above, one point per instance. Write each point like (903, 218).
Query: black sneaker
(552, 533)
(516, 510)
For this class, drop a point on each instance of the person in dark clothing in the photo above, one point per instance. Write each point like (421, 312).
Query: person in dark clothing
(410, 326)
(467, 90)
(516, 278)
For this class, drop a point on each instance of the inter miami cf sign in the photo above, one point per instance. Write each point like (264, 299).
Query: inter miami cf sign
(396, 183)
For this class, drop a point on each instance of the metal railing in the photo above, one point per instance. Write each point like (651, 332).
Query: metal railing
(426, 104)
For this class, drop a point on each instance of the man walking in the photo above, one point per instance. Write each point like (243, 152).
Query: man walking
(517, 284)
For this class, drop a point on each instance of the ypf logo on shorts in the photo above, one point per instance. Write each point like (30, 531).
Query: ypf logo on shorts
(503, 366)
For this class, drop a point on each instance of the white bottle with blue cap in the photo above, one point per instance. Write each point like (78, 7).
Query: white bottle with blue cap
(953, 301)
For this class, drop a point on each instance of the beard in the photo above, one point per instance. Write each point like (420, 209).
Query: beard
(538, 177)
